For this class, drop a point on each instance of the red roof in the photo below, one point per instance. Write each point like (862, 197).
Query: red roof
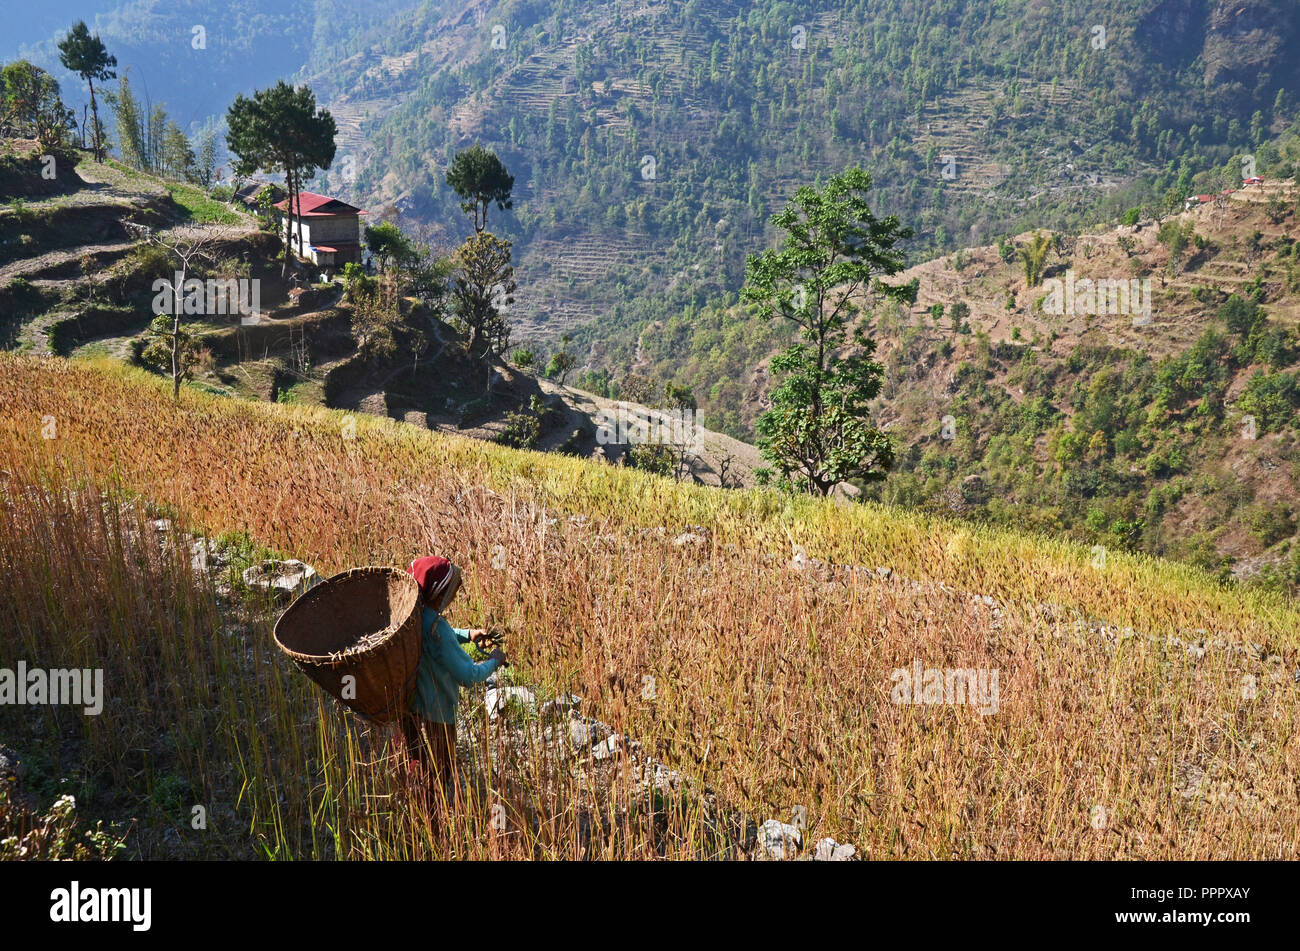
(311, 205)
(336, 248)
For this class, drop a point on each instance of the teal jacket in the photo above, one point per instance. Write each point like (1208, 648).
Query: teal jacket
(444, 669)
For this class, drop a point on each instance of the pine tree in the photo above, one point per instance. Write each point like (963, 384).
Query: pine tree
(86, 56)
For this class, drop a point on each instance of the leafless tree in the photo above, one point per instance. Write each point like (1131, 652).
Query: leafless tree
(187, 247)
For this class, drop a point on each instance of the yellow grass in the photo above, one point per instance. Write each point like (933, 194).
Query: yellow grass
(772, 685)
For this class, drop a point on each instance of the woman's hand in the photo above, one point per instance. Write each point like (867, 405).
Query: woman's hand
(478, 637)
(499, 656)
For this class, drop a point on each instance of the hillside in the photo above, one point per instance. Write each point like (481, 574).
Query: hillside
(979, 119)
(1113, 428)
(1143, 710)
(650, 142)
(74, 281)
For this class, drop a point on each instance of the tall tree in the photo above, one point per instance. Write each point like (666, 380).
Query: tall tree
(86, 56)
(206, 164)
(484, 285)
(281, 130)
(818, 430)
(130, 124)
(178, 156)
(156, 132)
(479, 178)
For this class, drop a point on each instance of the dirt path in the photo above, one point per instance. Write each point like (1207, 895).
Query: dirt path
(711, 449)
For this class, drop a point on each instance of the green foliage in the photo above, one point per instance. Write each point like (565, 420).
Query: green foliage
(1270, 523)
(562, 362)
(834, 247)
(1034, 256)
(479, 178)
(652, 457)
(1273, 399)
(169, 349)
(86, 56)
(482, 288)
(30, 105)
(1175, 236)
(523, 430)
(53, 834)
(388, 245)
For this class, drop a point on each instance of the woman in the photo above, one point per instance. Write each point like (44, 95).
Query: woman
(430, 727)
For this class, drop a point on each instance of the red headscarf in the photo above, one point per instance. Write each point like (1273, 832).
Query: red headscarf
(431, 573)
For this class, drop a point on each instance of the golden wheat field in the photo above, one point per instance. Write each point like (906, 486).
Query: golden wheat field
(1143, 711)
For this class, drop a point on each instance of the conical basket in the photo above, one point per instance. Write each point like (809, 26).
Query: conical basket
(363, 624)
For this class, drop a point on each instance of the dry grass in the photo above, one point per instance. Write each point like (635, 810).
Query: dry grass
(771, 684)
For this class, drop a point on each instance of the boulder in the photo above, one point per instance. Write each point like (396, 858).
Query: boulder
(828, 850)
(282, 580)
(779, 840)
(559, 706)
(497, 698)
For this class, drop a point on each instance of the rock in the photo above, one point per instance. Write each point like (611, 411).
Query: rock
(883, 572)
(562, 704)
(162, 525)
(580, 733)
(204, 555)
(686, 539)
(498, 697)
(281, 579)
(828, 850)
(587, 731)
(657, 776)
(611, 747)
(779, 840)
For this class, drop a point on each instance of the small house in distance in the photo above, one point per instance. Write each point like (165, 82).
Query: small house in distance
(330, 229)
(250, 193)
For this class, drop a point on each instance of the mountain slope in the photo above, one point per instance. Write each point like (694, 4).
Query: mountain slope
(650, 143)
(772, 635)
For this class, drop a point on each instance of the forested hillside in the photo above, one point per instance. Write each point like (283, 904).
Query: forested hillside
(652, 141)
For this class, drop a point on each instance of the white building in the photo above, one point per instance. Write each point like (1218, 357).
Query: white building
(330, 229)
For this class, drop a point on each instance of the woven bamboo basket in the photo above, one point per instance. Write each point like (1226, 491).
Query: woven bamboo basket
(364, 623)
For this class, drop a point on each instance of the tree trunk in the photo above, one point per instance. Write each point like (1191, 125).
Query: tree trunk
(288, 223)
(94, 114)
(176, 337)
(176, 346)
(297, 197)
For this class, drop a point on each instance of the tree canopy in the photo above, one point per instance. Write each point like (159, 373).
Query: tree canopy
(479, 178)
(86, 55)
(818, 432)
(281, 130)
